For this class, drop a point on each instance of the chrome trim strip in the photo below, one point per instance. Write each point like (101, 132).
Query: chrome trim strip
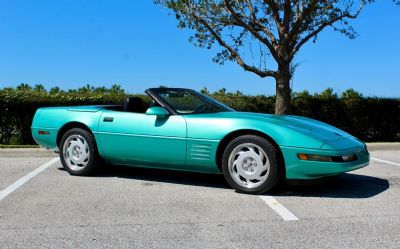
(156, 136)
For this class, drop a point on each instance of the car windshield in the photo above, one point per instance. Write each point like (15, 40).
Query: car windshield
(185, 101)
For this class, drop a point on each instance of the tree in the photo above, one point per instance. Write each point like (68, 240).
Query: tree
(327, 94)
(100, 90)
(304, 94)
(24, 87)
(86, 89)
(351, 94)
(55, 90)
(116, 89)
(278, 28)
(39, 88)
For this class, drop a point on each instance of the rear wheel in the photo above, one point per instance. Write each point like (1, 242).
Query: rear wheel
(250, 165)
(78, 152)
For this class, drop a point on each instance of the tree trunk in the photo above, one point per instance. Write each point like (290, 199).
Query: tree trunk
(282, 102)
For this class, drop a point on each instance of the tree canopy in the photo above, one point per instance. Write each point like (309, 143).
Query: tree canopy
(263, 36)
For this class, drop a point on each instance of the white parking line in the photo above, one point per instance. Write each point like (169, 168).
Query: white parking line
(384, 161)
(279, 208)
(5, 192)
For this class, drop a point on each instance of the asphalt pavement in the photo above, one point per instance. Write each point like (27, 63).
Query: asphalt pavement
(42, 206)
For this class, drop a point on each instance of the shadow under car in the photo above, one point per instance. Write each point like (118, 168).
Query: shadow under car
(346, 185)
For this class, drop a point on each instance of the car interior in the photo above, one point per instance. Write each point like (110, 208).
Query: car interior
(133, 104)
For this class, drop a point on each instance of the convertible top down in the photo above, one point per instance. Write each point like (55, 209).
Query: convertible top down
(182, 129)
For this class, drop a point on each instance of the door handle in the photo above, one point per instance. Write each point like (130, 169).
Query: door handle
(108, 119)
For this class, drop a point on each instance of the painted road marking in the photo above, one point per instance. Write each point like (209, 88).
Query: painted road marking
(279, 208)
(384, 161)
(5, 192)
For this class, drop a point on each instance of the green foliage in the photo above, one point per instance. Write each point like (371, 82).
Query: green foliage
(370, 119)
(351, 94)
(270, 25)
(24, 87)
(39, 88)
(54, 90)
(11, 146)
(327, 94)
(17, 106)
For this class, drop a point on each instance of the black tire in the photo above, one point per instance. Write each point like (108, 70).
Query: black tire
(91, 164)
(273, 175)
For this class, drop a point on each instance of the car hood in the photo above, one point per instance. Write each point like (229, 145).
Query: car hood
(322, 131)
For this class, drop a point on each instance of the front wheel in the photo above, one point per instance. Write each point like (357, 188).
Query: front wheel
(250, 165)
(78, 152)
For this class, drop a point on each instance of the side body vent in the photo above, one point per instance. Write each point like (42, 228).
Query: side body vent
(200, 151)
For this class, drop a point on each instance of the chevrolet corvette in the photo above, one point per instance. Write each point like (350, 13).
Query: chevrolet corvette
(182, 129)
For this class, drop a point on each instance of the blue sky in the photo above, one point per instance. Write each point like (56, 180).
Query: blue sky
(70, 43)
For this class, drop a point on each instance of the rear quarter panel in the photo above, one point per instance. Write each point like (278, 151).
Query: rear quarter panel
(52, 119)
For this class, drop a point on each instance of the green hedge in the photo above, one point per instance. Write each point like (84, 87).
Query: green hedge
(370, 119)
(18, 107)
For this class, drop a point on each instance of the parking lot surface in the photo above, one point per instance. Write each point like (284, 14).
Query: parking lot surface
(143, 208)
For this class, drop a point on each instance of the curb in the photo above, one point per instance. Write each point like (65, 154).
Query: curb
(383, 146)
(27, 152)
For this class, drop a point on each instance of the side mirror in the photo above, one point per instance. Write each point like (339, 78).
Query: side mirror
(157, 111)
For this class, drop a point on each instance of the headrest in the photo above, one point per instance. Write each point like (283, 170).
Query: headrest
(133, 104)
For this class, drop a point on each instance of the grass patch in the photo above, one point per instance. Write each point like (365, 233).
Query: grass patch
(13, 146)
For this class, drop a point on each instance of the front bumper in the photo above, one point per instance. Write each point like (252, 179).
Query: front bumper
(302, 169)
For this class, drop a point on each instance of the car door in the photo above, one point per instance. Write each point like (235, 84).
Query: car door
(140, 139)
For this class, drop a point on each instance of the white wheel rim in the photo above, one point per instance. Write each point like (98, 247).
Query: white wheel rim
(248, 165)
(76, 152)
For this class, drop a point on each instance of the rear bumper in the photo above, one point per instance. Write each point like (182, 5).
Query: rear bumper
(47, 140)
(301, 169)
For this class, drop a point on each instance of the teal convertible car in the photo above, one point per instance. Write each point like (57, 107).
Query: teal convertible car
(185, 130)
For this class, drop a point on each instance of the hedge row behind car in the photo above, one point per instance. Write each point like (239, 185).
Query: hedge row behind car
(370, 119)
